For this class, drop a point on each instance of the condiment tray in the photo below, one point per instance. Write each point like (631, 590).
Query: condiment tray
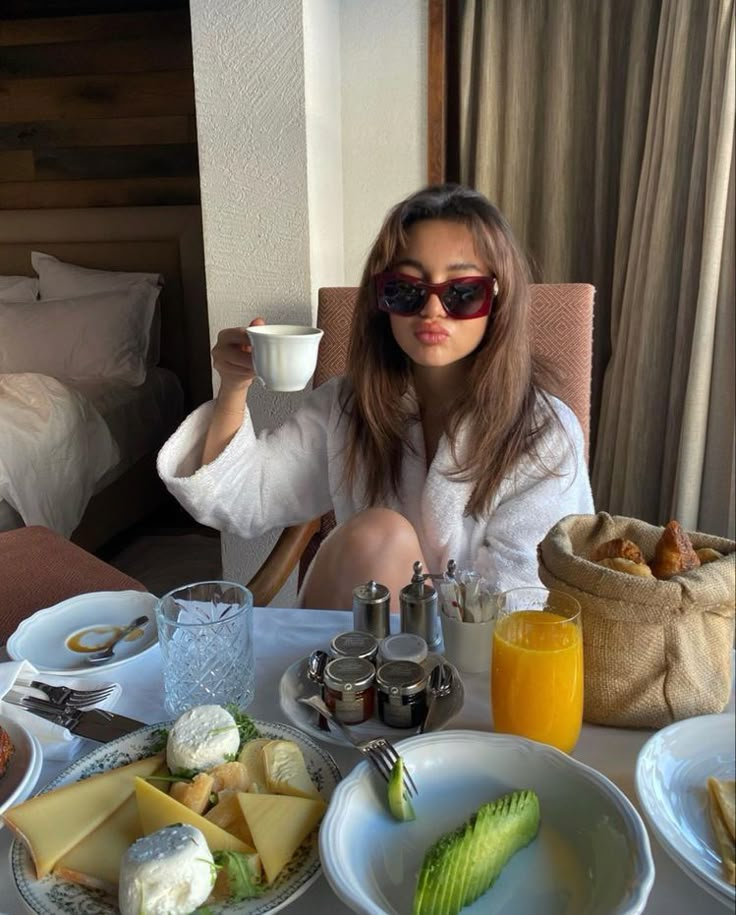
(295, 683)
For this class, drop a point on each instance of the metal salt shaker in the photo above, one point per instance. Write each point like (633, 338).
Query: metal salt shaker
(418, 607)
(372, 609)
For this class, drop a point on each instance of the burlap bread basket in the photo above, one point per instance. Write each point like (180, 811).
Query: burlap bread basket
(654, 651)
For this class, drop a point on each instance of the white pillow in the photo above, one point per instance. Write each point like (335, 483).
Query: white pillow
(18, 288)
(59, 280)
(81, 338)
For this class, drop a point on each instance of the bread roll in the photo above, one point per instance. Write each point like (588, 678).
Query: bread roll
(673, 553)
(706, 554)
(619, 564)
(618, 548)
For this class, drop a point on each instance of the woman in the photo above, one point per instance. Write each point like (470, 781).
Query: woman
(439, 442)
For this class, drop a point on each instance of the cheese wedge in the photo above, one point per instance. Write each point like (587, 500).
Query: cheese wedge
(279, 824)
(286, 772)
(157, 810)
(252, 758)
(95, 861)
(51, 824)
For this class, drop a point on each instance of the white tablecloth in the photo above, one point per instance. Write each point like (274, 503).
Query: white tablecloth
(284, 636)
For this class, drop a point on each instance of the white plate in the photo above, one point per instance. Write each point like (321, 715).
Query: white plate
(671, 774)
(42, 638)
(24, 766)
(591, 855)
(295, 683)
(52, 896)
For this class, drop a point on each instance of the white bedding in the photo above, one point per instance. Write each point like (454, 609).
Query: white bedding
(139, 418)
(54, 447)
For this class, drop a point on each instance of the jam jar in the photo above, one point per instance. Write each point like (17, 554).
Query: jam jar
(401, 687)
(355, 645)
(404, 646)
(348, 689)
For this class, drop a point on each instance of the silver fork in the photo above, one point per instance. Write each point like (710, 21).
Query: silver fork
(65, 695)
(381, 752)
(65, 715)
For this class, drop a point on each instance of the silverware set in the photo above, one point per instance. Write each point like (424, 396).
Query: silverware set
(65, 695)
(65, 715)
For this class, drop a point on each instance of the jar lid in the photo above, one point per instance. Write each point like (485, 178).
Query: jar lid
(354, 645)
(401, 678)
(404, 646)
(371, 593)
(348, 674)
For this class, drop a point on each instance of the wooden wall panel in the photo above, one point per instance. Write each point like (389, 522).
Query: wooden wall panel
(97, 110)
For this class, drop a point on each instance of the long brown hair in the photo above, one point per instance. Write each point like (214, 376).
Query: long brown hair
(498, 405)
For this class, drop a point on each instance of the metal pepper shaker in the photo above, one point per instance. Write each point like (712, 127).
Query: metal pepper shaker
(371, 609)
(418, 608)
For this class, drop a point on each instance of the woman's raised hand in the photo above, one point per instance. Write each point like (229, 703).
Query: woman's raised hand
(231, 357)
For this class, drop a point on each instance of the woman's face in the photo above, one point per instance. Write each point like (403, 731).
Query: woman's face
(438, 250)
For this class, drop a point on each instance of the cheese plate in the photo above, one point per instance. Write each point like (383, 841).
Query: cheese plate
(54, 896)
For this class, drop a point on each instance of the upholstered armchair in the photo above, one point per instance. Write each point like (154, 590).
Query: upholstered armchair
(562, 324)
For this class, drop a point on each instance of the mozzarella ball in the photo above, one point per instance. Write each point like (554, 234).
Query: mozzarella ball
(170, 872)
(202, 738)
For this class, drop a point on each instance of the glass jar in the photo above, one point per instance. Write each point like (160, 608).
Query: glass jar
(355, 645)
(404, 646)
(401, 687)
(348, 689)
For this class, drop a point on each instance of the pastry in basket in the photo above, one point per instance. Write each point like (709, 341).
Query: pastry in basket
(619, 564)
(673, 553)
(706, 554)
(618, 549)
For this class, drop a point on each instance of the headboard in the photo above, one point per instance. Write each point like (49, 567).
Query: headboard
(166, 240)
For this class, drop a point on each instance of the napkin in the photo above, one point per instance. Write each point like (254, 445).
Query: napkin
(56, 742)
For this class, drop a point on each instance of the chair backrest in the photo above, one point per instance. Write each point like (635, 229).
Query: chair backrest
(562, 324)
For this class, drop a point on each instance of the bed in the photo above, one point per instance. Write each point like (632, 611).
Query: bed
(137, 416)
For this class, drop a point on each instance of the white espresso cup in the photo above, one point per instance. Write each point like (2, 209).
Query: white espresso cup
(284, 355)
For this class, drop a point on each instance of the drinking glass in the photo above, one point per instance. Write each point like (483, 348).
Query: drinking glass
(537, 666)
(205, 631)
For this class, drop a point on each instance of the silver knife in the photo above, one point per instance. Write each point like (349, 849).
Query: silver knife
(95, 724)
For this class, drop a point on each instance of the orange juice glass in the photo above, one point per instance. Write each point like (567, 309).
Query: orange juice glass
(537, 666)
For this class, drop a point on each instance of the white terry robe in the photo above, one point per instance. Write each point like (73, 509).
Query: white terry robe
(295, 472)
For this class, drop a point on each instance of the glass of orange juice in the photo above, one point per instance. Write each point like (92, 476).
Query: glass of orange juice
(537, 666)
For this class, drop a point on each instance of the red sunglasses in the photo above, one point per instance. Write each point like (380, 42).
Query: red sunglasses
(462, 298)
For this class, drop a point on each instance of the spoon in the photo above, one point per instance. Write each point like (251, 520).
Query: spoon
(315, 670)
(441, 681)
(99, 657)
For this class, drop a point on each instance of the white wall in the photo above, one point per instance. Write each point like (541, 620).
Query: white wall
(311, 122)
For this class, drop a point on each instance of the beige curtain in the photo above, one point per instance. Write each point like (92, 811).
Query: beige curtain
(602, 129)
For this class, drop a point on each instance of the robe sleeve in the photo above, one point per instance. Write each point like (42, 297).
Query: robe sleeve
(259, 482)
(534, 500)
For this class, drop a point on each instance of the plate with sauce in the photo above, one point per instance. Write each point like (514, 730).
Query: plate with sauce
(57, 639)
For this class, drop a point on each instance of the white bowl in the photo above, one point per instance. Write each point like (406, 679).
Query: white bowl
(591, 855)
(284, 355)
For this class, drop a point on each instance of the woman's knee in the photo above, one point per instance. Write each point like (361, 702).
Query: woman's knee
(379, 530)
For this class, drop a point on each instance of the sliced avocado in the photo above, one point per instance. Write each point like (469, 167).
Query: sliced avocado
(463, 864)
(398, 801)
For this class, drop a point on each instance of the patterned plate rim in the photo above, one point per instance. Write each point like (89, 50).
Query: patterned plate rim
(305, 869)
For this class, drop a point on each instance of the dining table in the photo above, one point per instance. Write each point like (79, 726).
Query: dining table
(283, 636)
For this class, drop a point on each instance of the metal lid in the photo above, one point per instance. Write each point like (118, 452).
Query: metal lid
(371, 593)
(404, 646)
(401, 678)
(354, 644)
(349, 674)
